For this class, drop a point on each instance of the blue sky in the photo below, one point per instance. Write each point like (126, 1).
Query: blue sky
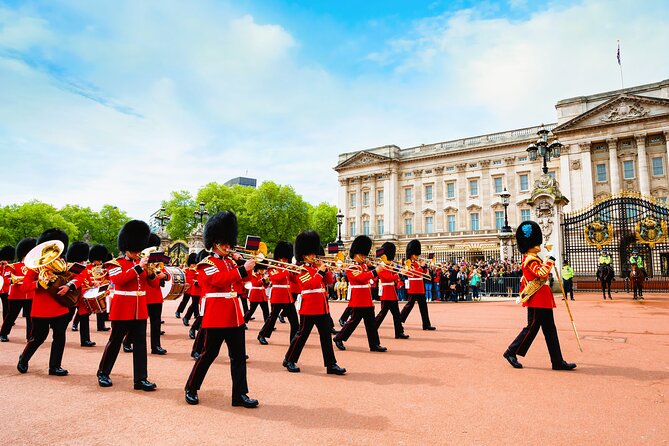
(109, 99)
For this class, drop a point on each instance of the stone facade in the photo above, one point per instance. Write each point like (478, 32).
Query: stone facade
(447, 194)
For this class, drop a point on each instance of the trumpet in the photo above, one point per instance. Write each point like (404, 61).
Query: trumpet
(152, 268)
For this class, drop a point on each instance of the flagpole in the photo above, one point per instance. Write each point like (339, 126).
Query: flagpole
(622, 84)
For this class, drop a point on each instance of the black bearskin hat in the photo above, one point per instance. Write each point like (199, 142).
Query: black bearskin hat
(413, 248)
(283, 250)
(361, 245)
(134, 236)
(192, 258)
(24, 246)
(221, 228)
(98, 252)
(528, 235)
(202, 255)
(54, 234)
(307, 242)
(389, 250)
(77, 252)
(7, 253)
(260, 266)
(321, 251)
(154, 240)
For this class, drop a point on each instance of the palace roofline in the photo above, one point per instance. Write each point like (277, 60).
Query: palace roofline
(599, 96)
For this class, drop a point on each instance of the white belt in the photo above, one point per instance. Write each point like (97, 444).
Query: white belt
(257, 288)
(280, 286)
(224, 295)
(129, 293)
(350, 287)
(386, 283)
(414, 278)
(316, 290)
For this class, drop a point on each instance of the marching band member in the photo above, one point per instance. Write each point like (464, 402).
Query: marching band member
(96, 256)
(47, 313)
(222, 318)
(128, 311)
(191, 275)
(257, 295)
(538, 298)
(416, 287)
(194, 332)
(280, 295)
(6, 256)
(313, 306)
(19, 299)
(388, 295)
(78, 253)
(154, 301)
(360, 299)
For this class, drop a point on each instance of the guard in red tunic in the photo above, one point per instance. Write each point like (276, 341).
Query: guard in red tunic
(416, 287)
(222, 318)
(312, 304)
(194, 332)
(128, 312)
(360, 296)
(191, 275)
(96, 258)
(47, 313)
(387, 285)
(537, 296)
(154, 301)
(19, 299)
(279, 295)
(6, 257)
(78, 253)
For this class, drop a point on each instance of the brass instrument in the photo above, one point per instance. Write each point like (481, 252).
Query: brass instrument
(98, 276)
(152, 268)
(260, 256)
(52, 269)
(407, 271)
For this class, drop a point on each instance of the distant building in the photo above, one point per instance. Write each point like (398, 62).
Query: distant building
(242, 181)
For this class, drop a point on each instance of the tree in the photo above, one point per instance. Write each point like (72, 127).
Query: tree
(110, 222)
(180, 208)
(83, 218)
(218, 197)
(30, 219)
(323, 219)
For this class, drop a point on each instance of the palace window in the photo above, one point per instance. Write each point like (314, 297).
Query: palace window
(353, 199)
(473, 187)
(474, 218)
(450, 190)
(601, 173)
(450, 220)
(429, 225)
(365, 227)
(428, 193)
(497, 162)
(352, 227)
(658, 167)
(408, 226)
(379, 226)
(498, 185)
(408, 175)
(408, 195)
(499, 219)
(365, 198)
(522, 158)
(450, 169)
(628, 170)
(524, 182)
(379, 197)
(524, 214)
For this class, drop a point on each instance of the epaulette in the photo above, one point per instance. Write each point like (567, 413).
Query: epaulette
(113, 262)
(531, 257)
(306, 277)
(206, 262)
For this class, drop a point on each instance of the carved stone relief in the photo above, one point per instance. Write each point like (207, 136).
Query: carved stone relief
(576, 165)
(626, 109)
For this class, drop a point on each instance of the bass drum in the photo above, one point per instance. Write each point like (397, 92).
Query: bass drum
(175, 285)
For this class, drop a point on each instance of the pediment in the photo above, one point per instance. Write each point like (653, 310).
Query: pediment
(497, 205)
(474, 207)
(362, 158)
(450, 209)
(428, 211)
(407, 213)
(622, 108)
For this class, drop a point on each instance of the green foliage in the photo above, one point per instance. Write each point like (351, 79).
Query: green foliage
(323, 219)
(180, 208)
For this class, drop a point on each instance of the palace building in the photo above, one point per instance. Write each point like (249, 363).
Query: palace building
(447, 194)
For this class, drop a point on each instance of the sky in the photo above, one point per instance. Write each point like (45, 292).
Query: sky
(121, 102)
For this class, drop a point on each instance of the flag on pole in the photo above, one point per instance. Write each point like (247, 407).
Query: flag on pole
(618, 53)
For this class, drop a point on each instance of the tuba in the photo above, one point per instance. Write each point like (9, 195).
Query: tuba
(45, 259)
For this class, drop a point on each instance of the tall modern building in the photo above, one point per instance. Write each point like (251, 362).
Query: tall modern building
(447, 194)
(242, 181)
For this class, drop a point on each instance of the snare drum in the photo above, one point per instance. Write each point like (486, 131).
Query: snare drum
(95, 299)
(175, 285)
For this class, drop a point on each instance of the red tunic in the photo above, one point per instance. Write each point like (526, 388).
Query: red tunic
(16, 291)
(6, 272)
(387, 280)
(43, 304)
(219, 306)
(281, 283)
(191, 278)
(314, 295)
(533, 268)
(359, 290)
(128, 301)
(154, 294)
(416, 285)
(257, 291)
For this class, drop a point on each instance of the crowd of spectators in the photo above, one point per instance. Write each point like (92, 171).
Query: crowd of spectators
(455, 281)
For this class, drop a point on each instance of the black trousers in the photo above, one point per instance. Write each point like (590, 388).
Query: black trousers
(5, 304)
(137, 331)
(307, 322)
(289, 312)
(183, 303)
(422, 306)
(265, 310)
(365, 314)
(345, 314)
(568, 286)
(245, 304)
(101, 319)
(155, 313)
(538, 318)
(15, 307)
(194, 308)
(213, 339)
(198, 343)
(394, 308)
(84, 327)
(38, 334)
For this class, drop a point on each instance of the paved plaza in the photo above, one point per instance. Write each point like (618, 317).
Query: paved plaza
(451, 386)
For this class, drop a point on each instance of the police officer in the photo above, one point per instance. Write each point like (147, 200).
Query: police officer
(604, 258)
(567, 275)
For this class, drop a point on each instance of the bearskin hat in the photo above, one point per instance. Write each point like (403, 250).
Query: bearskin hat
(283, 250)
(321, 251)
(24, 246)
(202, 255)
(260, 266)
(77, 252)
(307, 242)
(192, 258)
(110, 256)
(154, 240)
(134, 236)
(528, 235)
(413, 248)
(7, 253)
(221, 228)
(54, 234)
(389, 250)
(98, 252)
(361, 245)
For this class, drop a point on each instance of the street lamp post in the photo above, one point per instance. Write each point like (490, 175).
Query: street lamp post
(202, 213)
(162, 218)
(340, 219)
(545, 150)
(506, 196)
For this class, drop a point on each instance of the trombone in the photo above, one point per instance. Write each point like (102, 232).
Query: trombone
(396, 268)
(260, 256)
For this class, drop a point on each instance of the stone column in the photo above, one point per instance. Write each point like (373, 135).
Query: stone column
(486, 196)
(195, 241)
(586, 193)
(358, 206)
(565, 169)
(344, 206)
(391, 214)
(505, 244)
(461, 216)
(439, 201)
(510, 183)
(666, 145)
(644, 179)
(372, 205)
(613, 165)
(418, 201)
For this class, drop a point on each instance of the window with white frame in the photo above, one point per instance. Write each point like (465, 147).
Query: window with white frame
(450, 190)
(524, 180)
(365, 198)
(352, 228)
(499, 219)
(473, 188)
(628, 170)
(474, 219)
(499, 188)
(450, 222)
(379, 226)
(601, 173)
(408, 195)
(379, 197)
(429, 225)
(408, 226)
(524, 214)
(365, 227)
(353, 198)
(658, 167)
(428, 192)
